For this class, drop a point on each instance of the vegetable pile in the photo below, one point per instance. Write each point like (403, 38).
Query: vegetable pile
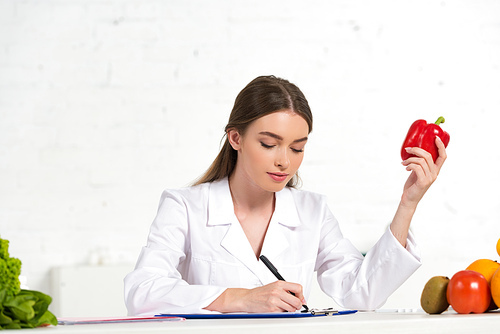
(20, 308)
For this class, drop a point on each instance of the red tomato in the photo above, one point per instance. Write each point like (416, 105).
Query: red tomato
(468, 292)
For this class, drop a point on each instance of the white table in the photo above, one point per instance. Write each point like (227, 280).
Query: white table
(361, 322)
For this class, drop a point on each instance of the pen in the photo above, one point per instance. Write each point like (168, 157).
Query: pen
(275, 272)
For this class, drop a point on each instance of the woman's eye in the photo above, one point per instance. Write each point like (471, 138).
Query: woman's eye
(297, 150)
(266, 146)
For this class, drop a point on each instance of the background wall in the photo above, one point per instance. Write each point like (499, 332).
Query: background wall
(105, 103)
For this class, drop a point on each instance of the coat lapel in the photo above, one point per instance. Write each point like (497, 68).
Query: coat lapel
(235, 242)
(221, 213)
(285, 219)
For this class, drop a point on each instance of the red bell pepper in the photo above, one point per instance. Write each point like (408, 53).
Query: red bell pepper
(422, 134)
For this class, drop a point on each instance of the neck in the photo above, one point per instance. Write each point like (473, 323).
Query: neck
(247, 195)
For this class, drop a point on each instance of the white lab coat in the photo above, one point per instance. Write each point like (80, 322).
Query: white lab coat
(197, 248)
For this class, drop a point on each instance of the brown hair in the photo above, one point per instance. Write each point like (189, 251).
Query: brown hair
(262, 96)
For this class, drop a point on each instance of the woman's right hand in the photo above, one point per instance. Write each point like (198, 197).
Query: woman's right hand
(274, 297)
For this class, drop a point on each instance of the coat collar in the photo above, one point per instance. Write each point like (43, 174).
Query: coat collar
(276, 242)
(220, 204)
(221, 209)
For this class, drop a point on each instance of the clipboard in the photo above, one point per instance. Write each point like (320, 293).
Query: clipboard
(311, 313)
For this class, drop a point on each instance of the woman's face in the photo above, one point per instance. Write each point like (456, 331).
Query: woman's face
(271, 150)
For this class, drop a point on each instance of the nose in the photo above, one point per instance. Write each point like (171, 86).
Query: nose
(282, 161)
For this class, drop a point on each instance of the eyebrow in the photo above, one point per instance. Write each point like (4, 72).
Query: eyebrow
(278, 137)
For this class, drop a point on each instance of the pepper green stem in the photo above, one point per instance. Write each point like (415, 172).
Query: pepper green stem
(439, 120)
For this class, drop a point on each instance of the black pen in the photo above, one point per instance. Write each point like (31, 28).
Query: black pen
(277, 274)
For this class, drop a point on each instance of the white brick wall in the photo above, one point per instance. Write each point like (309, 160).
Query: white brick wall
(105, 103)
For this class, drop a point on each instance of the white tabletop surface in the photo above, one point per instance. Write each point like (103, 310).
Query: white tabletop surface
(361, 322)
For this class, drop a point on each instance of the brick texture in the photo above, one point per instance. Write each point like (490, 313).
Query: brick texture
(105, 103)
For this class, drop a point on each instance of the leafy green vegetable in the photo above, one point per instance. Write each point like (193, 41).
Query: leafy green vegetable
(20, 308)
(28, 309)
(10, 269)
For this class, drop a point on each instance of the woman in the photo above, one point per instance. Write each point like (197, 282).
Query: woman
(204, 245)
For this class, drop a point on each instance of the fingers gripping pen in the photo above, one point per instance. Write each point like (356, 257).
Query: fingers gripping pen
(275, 272)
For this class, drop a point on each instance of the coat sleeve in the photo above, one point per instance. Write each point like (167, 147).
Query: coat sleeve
(357, 282)
(156, 285)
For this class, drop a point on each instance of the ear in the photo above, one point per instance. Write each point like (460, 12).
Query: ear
(234, 139)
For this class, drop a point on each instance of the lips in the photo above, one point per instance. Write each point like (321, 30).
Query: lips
(278, 177)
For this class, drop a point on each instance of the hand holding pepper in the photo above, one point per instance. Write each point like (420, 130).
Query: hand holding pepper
(423, 153)
(422, 134)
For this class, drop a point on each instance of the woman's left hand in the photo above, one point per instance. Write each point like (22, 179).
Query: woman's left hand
(424, 172)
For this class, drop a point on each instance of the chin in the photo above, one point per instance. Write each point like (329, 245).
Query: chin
(275, 186)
